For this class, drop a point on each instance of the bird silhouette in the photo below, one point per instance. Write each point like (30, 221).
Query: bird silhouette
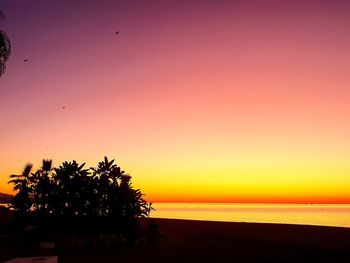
(63, 107)
(117, 32)
(25, 60)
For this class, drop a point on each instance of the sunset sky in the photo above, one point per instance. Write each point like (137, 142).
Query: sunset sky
(215, 101)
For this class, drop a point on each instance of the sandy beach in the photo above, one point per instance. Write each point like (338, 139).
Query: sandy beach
(203, 241)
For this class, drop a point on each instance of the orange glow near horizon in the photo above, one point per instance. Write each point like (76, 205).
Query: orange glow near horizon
(201, 102)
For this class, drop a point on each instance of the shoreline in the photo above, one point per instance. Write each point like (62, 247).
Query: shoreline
(200, 221)
(251, 222)
(321, 215)
(339, 235)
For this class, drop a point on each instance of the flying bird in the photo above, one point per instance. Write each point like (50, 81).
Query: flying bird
(117, 32)
(25, 60)
(63, 107)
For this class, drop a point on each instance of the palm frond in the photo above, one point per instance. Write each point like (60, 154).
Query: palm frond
(46, 165)
(15, 181)
(15, 176)
(27, 169)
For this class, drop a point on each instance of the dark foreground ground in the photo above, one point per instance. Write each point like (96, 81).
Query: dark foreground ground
(201, 241)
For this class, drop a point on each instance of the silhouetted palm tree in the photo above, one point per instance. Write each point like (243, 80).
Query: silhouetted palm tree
(42, 187)
(105, 181)
(22, 200)
(70, 181)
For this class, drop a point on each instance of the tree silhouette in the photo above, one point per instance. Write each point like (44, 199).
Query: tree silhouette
(117, 198)
(22, 200)
(42, 187)
(5, 47)
(71, 183)
(72, 192)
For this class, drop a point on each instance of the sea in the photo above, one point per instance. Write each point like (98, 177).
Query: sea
(300, 214)
(303, 214)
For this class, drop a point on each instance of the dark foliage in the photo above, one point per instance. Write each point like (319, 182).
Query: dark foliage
(5, 47)
(71, 196)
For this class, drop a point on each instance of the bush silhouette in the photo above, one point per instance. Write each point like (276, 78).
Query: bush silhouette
(71, 196)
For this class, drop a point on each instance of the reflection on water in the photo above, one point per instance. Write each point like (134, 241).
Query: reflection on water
(309, 214)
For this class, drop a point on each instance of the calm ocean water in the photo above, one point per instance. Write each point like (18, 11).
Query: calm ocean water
(309, 214)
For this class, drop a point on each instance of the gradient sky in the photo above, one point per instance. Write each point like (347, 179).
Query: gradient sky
(221, 101)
